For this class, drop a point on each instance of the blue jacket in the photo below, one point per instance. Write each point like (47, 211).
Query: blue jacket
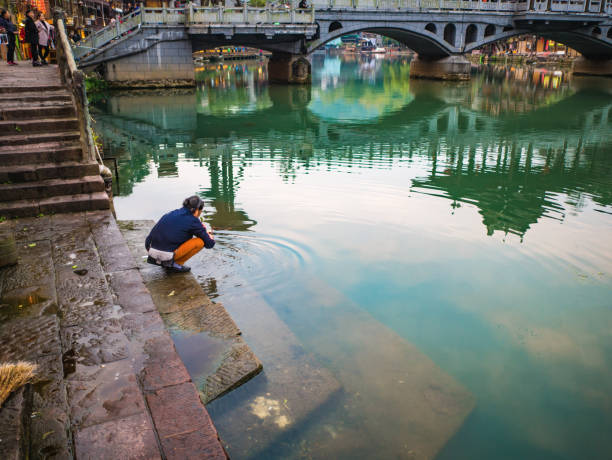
(176, 227)
(8, 26)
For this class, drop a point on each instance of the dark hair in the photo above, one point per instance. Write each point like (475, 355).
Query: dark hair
(193, 203)
(2, 12)
(28, 10)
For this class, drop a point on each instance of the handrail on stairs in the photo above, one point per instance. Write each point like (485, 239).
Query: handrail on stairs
(74, 79)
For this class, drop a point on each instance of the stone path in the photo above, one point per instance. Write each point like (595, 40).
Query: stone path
(110, 383)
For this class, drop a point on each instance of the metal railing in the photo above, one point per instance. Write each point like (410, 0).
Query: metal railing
(107, 34)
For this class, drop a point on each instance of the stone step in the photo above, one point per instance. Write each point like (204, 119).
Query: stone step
(43, 171)
(30, 112)
(11, 139)
(7, 99)
(44, 125)
(395, 391)
(294, 386)
(40, 153)
(56, 204)
(18, 90)
(51, 188)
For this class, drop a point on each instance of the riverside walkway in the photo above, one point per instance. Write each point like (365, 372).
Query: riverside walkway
(109, 382)
(108, 375)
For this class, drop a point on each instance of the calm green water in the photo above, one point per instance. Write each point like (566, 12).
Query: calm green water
(389, 224)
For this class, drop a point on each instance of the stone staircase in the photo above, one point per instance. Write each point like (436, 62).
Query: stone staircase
(42, 166)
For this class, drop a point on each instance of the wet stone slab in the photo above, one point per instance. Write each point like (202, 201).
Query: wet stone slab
(162, 367)
(34, 268)
(185, 429)
(27, 302)
(96, 342)
(32, 229)
(384, 378)
(12, 418)
(292, 387)
(76, 305)
(130, 437)
(113, 250)
(130, 291)
(37, 340)
(195, 322)
(102, 393)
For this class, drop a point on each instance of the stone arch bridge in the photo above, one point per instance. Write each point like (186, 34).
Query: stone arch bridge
(157, 44)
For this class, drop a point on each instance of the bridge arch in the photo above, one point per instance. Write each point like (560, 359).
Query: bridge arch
(471, 34)
(590, 42)
(421, 38)
(489, 30)
(450, 34)
(336, 25)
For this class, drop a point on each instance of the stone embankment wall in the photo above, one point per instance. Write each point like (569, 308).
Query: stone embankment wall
(153, 59)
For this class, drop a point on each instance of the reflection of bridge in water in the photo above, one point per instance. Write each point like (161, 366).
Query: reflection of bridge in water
(499, 164)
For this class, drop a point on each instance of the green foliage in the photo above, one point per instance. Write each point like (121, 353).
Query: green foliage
(95, 85)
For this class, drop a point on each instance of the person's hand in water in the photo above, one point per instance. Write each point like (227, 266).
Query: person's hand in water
(208, 229)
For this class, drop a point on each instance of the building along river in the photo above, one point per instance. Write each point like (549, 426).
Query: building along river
(442, 250)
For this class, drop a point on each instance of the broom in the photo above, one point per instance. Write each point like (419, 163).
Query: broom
(13, 376)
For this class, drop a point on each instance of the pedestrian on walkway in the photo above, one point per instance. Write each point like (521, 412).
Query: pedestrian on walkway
(9, 29)
(45, 33)
(31, 37)
(76, 36)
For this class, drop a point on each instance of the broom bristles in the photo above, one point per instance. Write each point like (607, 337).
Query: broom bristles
(13, 376)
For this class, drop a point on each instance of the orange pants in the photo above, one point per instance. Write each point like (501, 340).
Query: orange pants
(187, 250)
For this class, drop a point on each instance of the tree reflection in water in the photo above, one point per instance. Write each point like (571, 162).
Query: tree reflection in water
(507, 141)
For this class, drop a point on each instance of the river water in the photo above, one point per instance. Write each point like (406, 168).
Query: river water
(439, 254)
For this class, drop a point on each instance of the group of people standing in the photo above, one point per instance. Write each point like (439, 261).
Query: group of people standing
(39, 34)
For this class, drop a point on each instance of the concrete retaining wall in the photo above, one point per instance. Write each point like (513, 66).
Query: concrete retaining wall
(165, 60)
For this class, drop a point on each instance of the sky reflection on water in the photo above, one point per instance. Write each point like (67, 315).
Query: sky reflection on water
(470, 221)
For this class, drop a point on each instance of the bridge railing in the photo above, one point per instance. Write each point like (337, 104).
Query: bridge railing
(166, 16)
(420, 5)
(103, 36)
(249, 15)
(191, 16)
(563, 6)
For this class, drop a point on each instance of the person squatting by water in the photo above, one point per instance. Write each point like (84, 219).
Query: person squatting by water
(31, 37)
(8, 28)
(178, 236)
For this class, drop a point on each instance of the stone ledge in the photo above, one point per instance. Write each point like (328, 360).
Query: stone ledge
(185, 429)
(184, 306)
(109, 349)
(131, 437)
